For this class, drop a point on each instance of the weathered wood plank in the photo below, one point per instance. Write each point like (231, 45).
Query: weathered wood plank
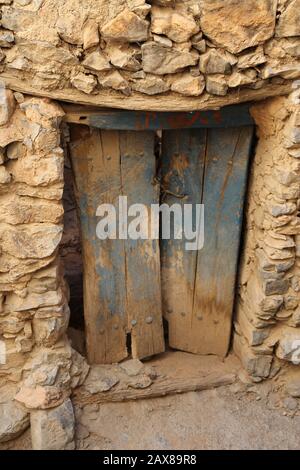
(143, 287)
(160, 388)
(122, 291)
(171, 373)
(96, 161)
(139, 101)
(225, 181)
(199, 309)
(230, 116)
(183, 158)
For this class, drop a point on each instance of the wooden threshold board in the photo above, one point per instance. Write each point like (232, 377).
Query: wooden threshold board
(171, 373)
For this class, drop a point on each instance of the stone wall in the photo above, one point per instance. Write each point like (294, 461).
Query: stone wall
(164, 55)
(158, 54)
(268, 313)
(38, 368)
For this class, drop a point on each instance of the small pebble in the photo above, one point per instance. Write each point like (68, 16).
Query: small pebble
(290, 403)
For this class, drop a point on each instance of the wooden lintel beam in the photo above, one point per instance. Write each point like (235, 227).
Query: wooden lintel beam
(230, 116)
(141, 102)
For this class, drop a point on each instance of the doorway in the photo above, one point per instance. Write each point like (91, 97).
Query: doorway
(136, 289)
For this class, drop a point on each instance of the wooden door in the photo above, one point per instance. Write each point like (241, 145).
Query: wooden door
(122, 288)
(130, 284)
(207, 166)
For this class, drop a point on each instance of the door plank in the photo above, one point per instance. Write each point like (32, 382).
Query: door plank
(95, 158)
(122, 291)
(182, 177)
(204, 325)
(143, 285)
(226, 173)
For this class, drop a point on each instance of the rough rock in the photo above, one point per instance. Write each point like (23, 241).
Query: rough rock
(90, 34)
(100, 379)
(257, 366)
(289, 345)
(7, 105)
(37, 170)
(188, 85)
(2, 156)
(143, 381)
(151, 85)
(70, 28)
(242, 78)
(7, 38)
(295, 153)
(288, 71)
(289, 21)
(48, 331)
(96, 61)
(35, 241)
(290, 403)
(39, 397)
(179, 26)
(53, 429)
(293, 387)
(16, 150)
(5, 176)
(164, 41)
(291, 302)
(25, 210)
(216, 61)
(115, 81)
(83, 82)
(132, 367)
(237, 25)
(200, 46)
(14, 420)
(280, 48)
(271, 304)
(277, 210)
(252, 59)
(79, 369)
(160, 60)
(127, 27)
(216, 85)
(124, 56)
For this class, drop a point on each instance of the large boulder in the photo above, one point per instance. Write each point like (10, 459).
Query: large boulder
(14, 420)
(53, 429)
(237, 25)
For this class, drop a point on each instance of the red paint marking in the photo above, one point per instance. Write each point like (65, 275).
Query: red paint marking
(179, 121)
(218, 117)
(203, 120)
(149, 115)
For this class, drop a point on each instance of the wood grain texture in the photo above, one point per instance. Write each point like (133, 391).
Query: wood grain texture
(122, 291)
(143, 286)
(96, 162)
(161, 387)
(224, 190)
(183, 159)
(171, 373)
(138, 101)
(199, 310)
(230, 116)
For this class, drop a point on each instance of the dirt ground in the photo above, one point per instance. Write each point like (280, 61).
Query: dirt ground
(213, 419)
(237, 416)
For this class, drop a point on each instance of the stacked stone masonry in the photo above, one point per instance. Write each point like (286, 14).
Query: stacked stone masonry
(160, 54)
(124, 48)
(268, 313)
(38, 367)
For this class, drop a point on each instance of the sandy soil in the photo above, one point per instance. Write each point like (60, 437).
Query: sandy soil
(224, 418)
(238, 416)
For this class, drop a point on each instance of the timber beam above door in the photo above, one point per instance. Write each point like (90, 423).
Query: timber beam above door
(113, 119)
